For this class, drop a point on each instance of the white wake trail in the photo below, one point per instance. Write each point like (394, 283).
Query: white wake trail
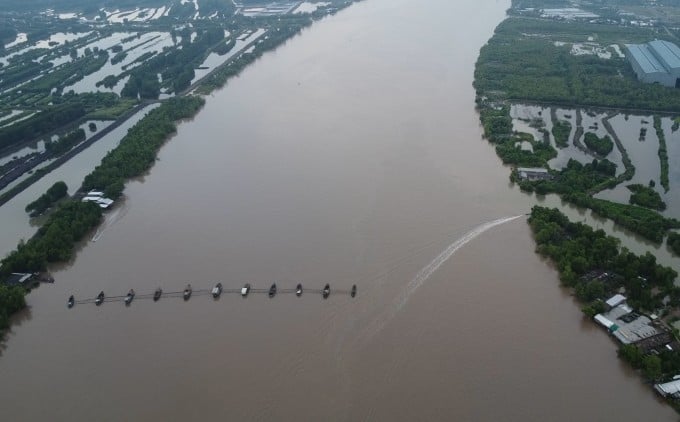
(421, 277)
(433, 266)
(109, 221)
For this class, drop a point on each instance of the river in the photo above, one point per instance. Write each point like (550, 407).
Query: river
(352, 154)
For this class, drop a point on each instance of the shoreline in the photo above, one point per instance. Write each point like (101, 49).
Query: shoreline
(580, 281)
(7, 266)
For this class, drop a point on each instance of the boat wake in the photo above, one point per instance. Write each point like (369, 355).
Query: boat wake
(110, 220)
(433, 266)
(426, 272)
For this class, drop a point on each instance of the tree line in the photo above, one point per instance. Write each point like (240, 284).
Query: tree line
(41, 123)
(578, 252)
(56, 192)
(137, 151)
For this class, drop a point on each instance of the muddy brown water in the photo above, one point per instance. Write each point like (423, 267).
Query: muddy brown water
(350, 155)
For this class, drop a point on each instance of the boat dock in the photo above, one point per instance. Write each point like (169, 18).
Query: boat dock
(180, 294)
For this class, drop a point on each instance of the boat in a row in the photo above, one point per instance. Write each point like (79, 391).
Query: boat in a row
(217, 290)
(216, 293)
(130, 296)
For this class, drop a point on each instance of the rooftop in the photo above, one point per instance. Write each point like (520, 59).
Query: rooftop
(667, 52)
(18, 278)
(615, 300)
(532, 169)
(668, 389)
(644, 57)
(627, 326)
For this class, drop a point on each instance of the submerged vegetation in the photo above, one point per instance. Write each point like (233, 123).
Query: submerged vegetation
(55, 239)
(602, 146)
(537, 60)
(674, 242)
(523, 62)
(47, 109)
(561, 130)
(595, 266)
(137, 150)
(663, 153)
(530, 59)
(11, 300)
(647, 197)
(577, 250)
(56, 192)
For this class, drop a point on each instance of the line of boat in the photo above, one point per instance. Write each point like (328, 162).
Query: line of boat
(216, 292)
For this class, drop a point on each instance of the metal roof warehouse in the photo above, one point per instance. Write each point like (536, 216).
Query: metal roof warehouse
(655, 62)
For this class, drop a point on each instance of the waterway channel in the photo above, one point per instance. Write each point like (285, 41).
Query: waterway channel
(350, 155)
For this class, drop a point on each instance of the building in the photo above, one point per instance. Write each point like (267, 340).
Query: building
(630, 327)
(98, 198)
(533, 173)
(615, 300)
(671, 389)
(655, 62)
(20, 279)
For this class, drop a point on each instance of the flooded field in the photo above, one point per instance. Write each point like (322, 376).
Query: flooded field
(334, 159)
(642, 150)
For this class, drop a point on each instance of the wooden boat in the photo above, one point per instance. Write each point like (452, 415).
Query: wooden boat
(298, 290)
(100, 298)
(130, 296)
(272, 290)
(245, 290)
(71, 302)
(354, 290)
(217, 290)
(157, 294)
(326, 291)
(187, 292)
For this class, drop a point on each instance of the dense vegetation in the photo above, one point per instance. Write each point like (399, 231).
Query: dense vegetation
(577, 249)
(602, 146)
(674, 242)
(142, 85)
(55, 240)
(281, 30)
(43, 93)
(175, 65)
(522, 62)
(646, 197)
(56, 192)
(40, 124)
(561, 130)
(645, 222)
(663, 153)
(576, 182)
(511, 151)
(65, 143)
(137, 150)
(11, 301)
(91, 6)
(574, 177)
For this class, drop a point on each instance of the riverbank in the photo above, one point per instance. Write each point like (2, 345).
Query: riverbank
(590, 263)
(134, 155)
(335, 158)
(500, 74)
(595, 268)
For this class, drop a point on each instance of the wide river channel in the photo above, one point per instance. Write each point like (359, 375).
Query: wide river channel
(350, 155)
